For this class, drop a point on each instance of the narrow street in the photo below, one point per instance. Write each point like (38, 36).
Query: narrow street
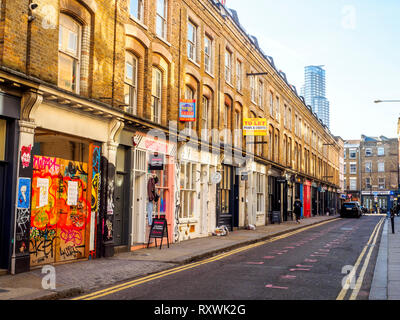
(307, 265)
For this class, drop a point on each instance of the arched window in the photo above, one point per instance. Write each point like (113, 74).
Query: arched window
(130, 86)
(69, 49)
(156, 96)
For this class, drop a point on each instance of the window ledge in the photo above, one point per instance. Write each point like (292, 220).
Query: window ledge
(139, 22)
(194, 62)
(163, 40)
(210, 74)
(229, 84)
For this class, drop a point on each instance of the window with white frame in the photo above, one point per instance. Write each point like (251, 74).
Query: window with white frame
(136, 9)
(368, 166)
(353, 168)
(381, 151)
(260, 94)
(130, 86)
(368, 182)
(239, 75)
(353, 184)
(69, 53)
(352, 153)
(187, 190)
(204, 115)
(285, 115)
(192, 41)
(228, 66)
(208, 54)
(156, 96)
(252, 89)
(189, 95)
(344, 169)
(278, 109)
(381, 167)
(368, 152)
(238, 126)
(271, 104)
(381, 183)
(260, 192)
(161, 18)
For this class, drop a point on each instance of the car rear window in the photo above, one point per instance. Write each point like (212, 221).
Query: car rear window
(349, 205)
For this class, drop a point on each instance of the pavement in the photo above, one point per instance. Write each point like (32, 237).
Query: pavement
(84, 276)
(386, 280)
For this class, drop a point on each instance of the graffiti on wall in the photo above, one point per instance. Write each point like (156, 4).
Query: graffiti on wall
(95, 199)
(26, 156)
(59, 210)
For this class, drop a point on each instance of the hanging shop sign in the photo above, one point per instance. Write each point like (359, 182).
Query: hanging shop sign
(159, 229)
(187, 110)
(156, 161)
(255, 126)
(281, 179)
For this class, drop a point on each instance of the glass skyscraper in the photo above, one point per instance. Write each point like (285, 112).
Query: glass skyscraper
(314, 92)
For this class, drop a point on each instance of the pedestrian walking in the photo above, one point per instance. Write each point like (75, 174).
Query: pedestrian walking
(297, 209)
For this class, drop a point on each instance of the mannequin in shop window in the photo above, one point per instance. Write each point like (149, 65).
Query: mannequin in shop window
(152, 197)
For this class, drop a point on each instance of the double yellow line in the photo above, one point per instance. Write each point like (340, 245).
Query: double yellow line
(371, 243)
(133, 283)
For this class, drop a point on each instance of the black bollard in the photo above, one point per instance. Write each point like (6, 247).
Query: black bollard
(392, 219)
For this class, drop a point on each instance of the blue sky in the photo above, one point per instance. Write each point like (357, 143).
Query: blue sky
(357, 41)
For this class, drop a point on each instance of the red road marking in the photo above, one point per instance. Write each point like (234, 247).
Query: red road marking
(269, 257)
(275, 287)
(255, 262)
(310, 260)
(299, 269)
(301, 266)
(288, 277)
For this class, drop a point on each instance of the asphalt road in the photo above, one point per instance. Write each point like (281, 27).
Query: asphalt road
(308, 265)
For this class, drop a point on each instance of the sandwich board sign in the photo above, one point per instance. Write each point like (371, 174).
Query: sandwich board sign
(158, 230)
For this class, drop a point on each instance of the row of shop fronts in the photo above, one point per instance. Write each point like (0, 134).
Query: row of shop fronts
(73, 184)
(375, 201)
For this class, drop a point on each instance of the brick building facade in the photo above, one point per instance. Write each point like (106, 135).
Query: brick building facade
(100, 85)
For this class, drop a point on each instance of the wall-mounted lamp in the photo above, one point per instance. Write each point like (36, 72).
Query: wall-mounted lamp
(32, 6)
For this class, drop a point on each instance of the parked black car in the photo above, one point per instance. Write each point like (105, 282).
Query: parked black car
(350, 209)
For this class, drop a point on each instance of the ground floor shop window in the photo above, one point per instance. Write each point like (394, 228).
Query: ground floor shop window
(187, 190)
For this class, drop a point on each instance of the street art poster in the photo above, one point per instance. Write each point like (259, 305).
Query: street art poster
(57, 229)
(72, 199)
(26, 156)
(43, 186)
(24, 193)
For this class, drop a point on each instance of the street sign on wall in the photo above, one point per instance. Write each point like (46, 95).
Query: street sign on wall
(187, 110)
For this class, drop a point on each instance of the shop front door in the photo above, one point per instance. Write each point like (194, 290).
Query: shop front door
(59, 213)
(226, 198)
(121, 214)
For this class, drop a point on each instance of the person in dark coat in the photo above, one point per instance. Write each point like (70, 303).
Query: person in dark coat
(297, 209)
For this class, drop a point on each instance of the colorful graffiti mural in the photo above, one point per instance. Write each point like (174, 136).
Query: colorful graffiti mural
(95, 199)
(59, 210)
